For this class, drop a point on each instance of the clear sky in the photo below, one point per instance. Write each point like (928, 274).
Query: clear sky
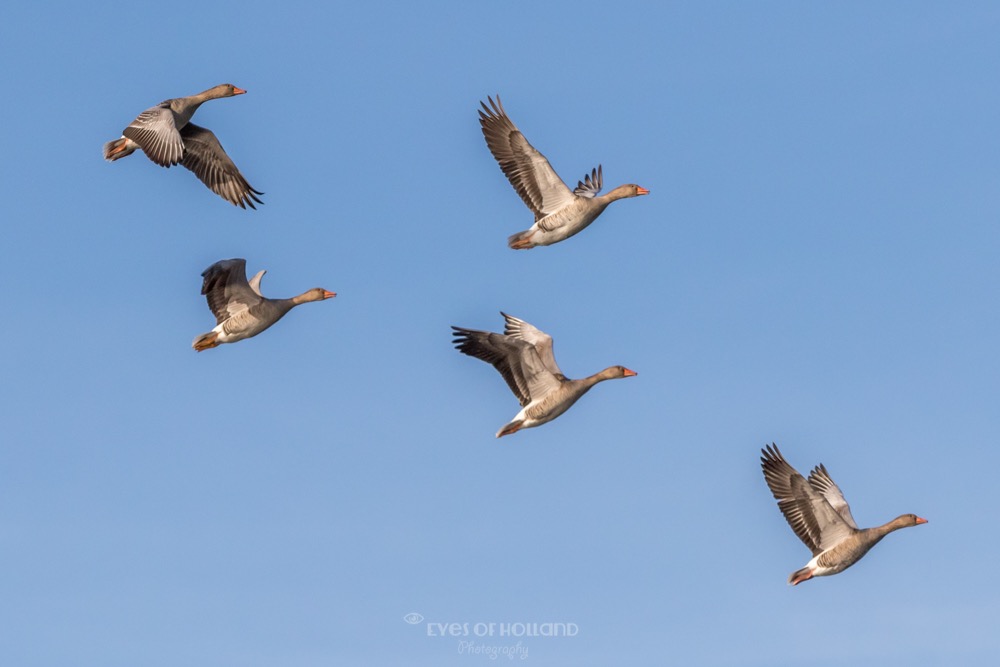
(816, 266)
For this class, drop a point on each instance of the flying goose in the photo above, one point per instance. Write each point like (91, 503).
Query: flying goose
(166, 136)
(240, 309)
(523, 355)
(817, 512)
(559, 212)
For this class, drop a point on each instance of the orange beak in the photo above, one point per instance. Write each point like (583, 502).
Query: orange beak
(629, 373)
(919, 520)
(641, 190)
(328, 295)
(238, 91)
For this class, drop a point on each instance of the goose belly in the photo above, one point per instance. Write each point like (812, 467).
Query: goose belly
(240, 328)
(563, 224)
(548, 409)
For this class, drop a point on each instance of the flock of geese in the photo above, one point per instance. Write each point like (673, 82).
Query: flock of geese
(814, 507)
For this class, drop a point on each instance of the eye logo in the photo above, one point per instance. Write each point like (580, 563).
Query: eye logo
(413, 618)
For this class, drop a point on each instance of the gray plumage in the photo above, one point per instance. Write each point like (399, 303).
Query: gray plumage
(524, 358)
(240, 310)
(164, 133)
(819, 515)
(559, 212)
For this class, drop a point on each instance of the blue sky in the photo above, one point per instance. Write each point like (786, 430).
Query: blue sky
(815, 266)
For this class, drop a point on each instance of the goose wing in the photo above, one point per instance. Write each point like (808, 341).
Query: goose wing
(516, 360)
(534, 179)
(542, 342)
(226, 288)
(806, 510)
(204, 155)
(156, 133)
(820, 480)
(591, 184)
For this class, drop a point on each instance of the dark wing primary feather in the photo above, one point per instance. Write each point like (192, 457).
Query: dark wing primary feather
(502, 352)
(226, 289)
(591, 184)
(203, 154)
(528, 170)
(808, 513)
(156, 133)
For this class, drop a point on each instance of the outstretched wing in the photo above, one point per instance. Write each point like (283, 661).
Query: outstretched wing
(808, 513)
(528, 171)
(155, 132)
(226, 288)
(820, 480)
(516, 360)
(203, 154)
(539, 339)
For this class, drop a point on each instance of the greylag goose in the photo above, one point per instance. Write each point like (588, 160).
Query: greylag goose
(167, 137)
(559, 212)
(240, 309)
(523, 355)
(817, 512)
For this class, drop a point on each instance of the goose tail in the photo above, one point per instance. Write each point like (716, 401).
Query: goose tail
(119, 148)
(206, 341)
